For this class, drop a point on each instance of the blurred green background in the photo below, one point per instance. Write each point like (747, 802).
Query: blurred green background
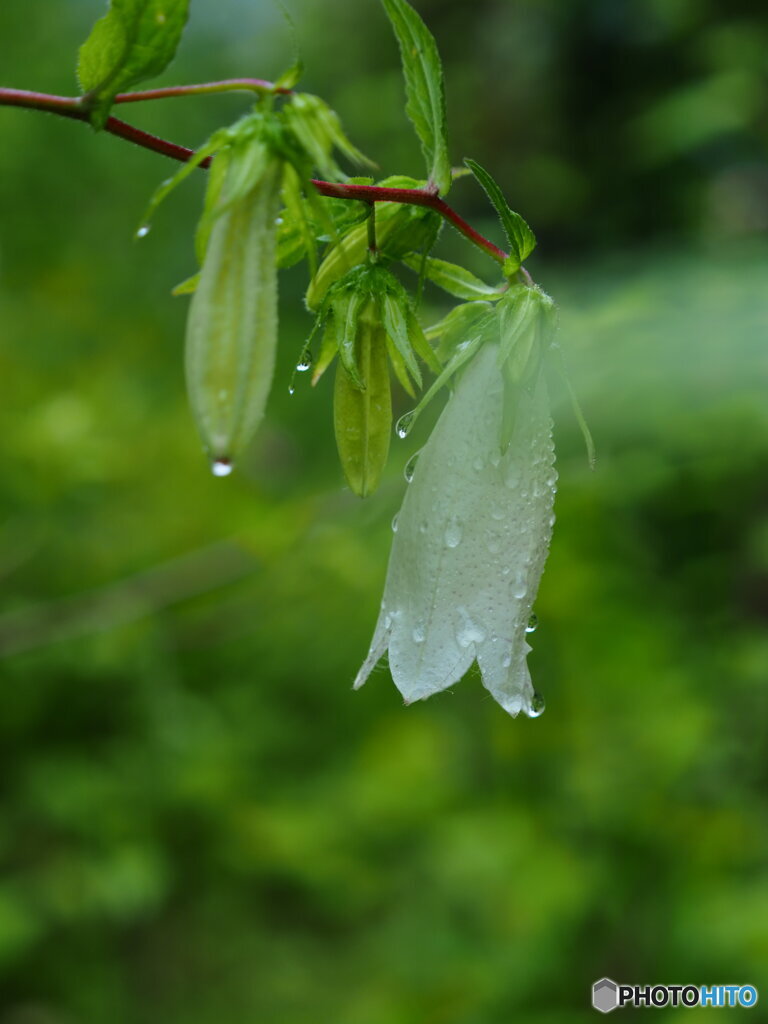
(200, 821)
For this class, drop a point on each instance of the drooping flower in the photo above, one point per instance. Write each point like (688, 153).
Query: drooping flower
(471, 541)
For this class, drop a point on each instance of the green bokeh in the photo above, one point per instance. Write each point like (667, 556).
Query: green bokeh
(200, 822)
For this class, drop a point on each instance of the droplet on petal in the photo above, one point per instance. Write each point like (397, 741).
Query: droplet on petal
(410, 467)
(537, 705)
(532, 623)
(453, 534)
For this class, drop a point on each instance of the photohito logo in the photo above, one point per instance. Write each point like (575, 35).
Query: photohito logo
(608, 995)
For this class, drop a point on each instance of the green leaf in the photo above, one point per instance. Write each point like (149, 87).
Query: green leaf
(295, 215)
(291, 76)
(188, 286)
(424, 88)
(463, 353)
(212, 146)
(134, 41)
(394, 316)
(346, 308)
(328, 349)
(454, 279)
(521, 239)
(462, 322)
(317, 130)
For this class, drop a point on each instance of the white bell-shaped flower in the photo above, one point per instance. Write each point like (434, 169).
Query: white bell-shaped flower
(470, 545)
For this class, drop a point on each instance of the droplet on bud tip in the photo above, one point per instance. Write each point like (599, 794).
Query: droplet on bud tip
(221, 467)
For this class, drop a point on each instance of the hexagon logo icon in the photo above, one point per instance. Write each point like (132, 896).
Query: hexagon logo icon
(605, 995)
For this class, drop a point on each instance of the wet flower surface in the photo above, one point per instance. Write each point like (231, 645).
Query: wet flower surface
(471, 541)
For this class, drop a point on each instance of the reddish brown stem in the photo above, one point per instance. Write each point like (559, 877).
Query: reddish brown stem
(76, 108)
(413, 197)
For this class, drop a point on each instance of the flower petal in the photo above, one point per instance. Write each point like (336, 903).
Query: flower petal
(471, 541)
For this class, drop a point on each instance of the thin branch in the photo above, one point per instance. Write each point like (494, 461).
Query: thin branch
(259, 85)
(74, 107)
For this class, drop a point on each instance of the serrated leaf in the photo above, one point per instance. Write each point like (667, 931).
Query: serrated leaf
(295, 215)
(212, 146)
(462, 322)
(424, 88)
(395, 320)
(291, 76)
(455, 280)
(421, 346)
(401, 370)
(317, 130)
(346, 308)
(521, 239)
(188, 286)
(134, 41)
(462, 354)
(328, 348)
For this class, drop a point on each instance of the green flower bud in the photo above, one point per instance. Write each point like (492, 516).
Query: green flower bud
(232, 324)
(362, 407)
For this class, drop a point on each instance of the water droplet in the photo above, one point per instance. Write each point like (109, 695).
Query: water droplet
(394, 523)
(405, 423)
(453, 534)
(305, 361)
(221, 467)
(419, 634)
(506, 661)
(521, 589)
(537, 706)
(494, 546)
(143, 231)
(532, 623)
(478, 464)
(423, 526)
(278, 221)
(498, 514)
(291, 388)
(469, 632)
(410, 467)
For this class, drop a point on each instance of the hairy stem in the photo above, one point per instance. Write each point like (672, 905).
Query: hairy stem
(76, 109)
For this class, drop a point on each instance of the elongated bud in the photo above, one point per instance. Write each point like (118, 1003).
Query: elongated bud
(232, 324)
(363, 416)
